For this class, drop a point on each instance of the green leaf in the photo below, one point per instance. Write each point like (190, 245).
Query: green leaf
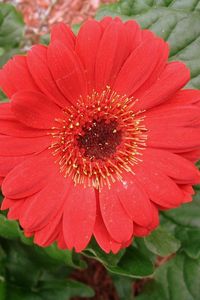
(52, 290)
(11, 31)
(161, 242)
(8, 229)
(177, 21)
(190, 241)
(50, 255)
(30, 273)
(64, 290)
(130, 262)
(175, 280)
(2, 288)
(185, 225)
(124, 287)
(5, 57)
(11, 26)
(20, 293)
(45, 39)
(152, 291)
(187, 215)
(1, 196)
(2, 95)
(2, 255)
(94, 251)
(134, 7)
(76, 28)
(133, 264)
(66, 257)
(21, 268)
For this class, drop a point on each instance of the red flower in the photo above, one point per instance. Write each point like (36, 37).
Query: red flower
(98, 135)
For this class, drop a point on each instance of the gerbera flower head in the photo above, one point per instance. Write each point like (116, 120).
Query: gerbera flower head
(98, 135)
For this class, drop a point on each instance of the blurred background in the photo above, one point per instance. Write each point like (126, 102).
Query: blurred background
(39, 15)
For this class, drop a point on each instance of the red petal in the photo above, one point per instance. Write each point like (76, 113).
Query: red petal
(193, 156)
(138, 67)
(67, 71)
(63, 33)
(173, 165)
(188, 192)
(16, 129)
(50, 232)
(29, 177)
(105, 22)
(117, 222)
(28, 234)
(61, 241)
(9, 125)
(168, 116)
(173, 78)
(7, 203)
(134, 200)
(38, 66)
(34, 109)
(176, 139)
(79, 217)
(112, 53)
(155, 216)
(13, 146)
(5, 83)
(11, 82)
(46, 203)
(101, 234)
(161, 189)
(16, 210)
(8, 163)
(159, 68)
(134, 34)
(87, 45)
(140, 231)
(185, 97)
(5, 112)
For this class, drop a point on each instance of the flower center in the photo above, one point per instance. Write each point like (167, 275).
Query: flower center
(98, 139)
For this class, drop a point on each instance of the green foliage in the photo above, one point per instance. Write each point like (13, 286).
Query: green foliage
(179, 277)
(51, 290)
(133, 264)
(190, 240)
(30, 272)
(124, 287)
(9, 229)
(175, 280)
(119, 264)
(188, 214)
(161, 242)
(11, 31)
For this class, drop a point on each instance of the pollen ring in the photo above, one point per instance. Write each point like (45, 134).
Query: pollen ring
(99, 138)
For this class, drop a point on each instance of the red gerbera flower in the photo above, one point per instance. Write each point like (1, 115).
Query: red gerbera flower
(97, 136)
